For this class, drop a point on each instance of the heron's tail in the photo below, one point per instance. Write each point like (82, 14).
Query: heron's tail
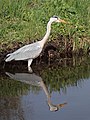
(10, 57)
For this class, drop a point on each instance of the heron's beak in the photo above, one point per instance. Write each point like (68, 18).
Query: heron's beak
(63, 21)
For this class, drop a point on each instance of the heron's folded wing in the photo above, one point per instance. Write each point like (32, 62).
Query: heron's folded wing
(28, 51)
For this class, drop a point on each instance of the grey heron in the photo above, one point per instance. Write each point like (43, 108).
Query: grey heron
(32, 51)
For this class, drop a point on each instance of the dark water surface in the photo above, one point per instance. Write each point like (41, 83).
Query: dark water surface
(49, 93)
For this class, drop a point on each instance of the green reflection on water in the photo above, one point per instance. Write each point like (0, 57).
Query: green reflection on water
(10, 87)
(55, 78)
(62, 77)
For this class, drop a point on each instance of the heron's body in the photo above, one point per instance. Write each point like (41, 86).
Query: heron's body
(32, 51)
(26, 52)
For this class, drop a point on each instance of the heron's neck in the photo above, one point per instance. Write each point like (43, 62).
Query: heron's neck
(43, 41)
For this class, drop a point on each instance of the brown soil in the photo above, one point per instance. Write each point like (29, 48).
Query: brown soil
(53, 50)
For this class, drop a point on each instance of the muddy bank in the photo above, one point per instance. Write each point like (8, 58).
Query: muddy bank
(52, 50)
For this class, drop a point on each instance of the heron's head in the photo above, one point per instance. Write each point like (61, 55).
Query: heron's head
(56, 19)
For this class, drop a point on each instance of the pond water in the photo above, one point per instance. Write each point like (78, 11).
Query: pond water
(49, 93)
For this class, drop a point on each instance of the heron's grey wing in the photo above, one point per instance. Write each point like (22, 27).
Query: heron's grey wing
(31, 79)
(30, 51)
(20, 49)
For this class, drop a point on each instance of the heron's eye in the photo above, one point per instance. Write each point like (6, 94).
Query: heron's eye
(55, 16)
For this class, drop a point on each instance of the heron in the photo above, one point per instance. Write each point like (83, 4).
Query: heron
(33, 50)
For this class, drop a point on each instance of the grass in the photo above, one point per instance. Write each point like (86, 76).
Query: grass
(22, 20)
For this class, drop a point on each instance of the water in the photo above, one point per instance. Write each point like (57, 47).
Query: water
(54, 92)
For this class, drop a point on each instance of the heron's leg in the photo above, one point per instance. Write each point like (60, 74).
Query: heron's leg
(30, 69)
(29, 63)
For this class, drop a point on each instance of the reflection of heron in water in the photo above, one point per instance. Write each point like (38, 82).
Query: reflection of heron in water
(35, 80)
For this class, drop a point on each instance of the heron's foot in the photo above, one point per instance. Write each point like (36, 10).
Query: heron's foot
(30, 69)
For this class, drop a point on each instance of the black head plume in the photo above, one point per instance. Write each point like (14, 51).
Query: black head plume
(55, 16)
